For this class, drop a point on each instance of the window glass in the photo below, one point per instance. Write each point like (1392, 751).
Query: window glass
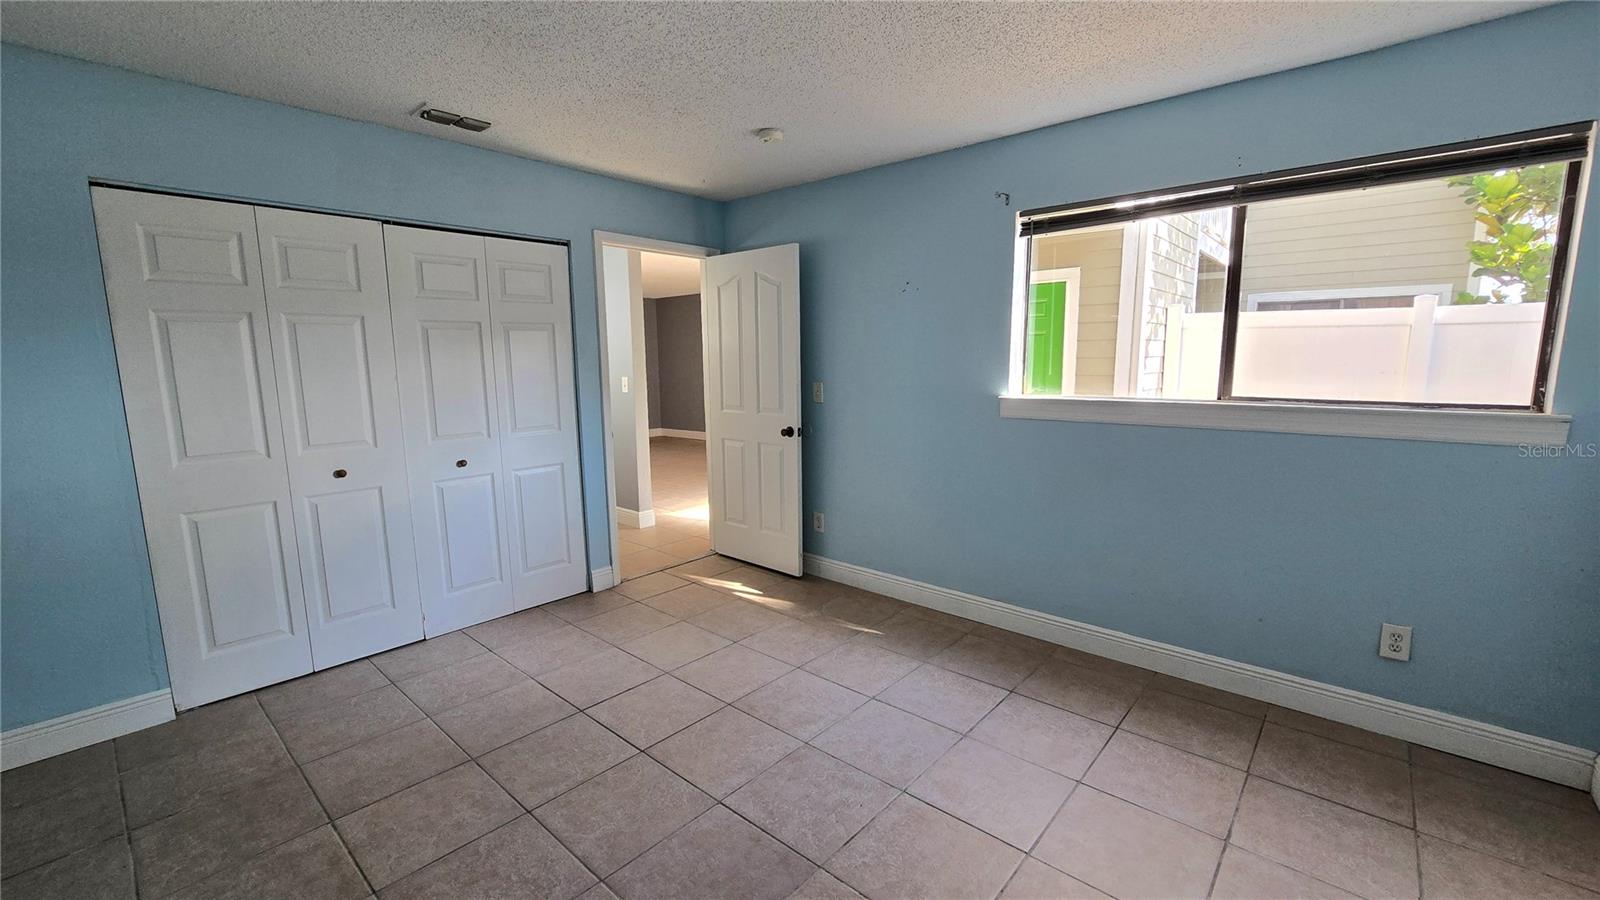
(1431, 291)
(1104, 304)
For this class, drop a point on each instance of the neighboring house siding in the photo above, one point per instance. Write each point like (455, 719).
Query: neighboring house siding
(1172, 261)
(1407, 234)
(1098, 256)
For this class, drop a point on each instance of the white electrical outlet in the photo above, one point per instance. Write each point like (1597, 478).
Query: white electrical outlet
(1395, 642)
(816, 391)
(816, 521)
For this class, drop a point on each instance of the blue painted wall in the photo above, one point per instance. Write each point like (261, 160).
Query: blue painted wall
(80, 626)
(1280, 550)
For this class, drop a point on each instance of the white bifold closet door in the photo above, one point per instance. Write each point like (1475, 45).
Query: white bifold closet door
(315, 429)
(328, 298)
(484, 345)
(531, 310)
(189, 318)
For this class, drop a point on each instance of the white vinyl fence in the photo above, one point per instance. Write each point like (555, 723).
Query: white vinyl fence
(1423, 354)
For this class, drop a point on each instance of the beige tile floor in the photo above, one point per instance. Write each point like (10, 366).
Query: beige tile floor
(681, 532)
(721, 731)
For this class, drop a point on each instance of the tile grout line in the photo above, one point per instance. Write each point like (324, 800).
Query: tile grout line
(1416, 823)
(293, 766)
(329, 820)
(1494, 854)
(583, 711)
(204, 798)
(1145, 688)
(528, 810)
(127, 833)
(1233, 818)
(474, 761)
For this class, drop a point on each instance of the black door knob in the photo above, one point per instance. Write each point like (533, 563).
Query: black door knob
(461, 464)
(788, 431)
(339, 473)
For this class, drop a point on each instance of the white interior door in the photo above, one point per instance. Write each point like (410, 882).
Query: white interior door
(751, 321)
(328, 299)
(530, 305)
(189, 319)
(439, 300)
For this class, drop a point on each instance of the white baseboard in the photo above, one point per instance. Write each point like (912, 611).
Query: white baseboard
(601, 579)
(678, 433)
(1525, 753)
(636, 518)
(41, 740)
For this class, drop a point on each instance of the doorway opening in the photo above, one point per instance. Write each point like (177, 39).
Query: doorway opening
(655, 403)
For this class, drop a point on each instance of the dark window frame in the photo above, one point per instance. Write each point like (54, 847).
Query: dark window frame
(1570, 144)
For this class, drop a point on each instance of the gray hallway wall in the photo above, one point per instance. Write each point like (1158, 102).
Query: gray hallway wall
(652, 367)
(676, 374)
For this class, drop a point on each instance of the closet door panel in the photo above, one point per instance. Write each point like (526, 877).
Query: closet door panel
(531, 306)
(328, 297)
(442, 327)
(189, 320)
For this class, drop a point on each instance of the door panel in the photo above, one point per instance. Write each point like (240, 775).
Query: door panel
(209, 376)
(471, 520)
(531, 310)
(330, 381)
(729, 315)
(328, 296)
(237, 576)
(541, 514)
(189, 320)
(774, 496)
(731, 480)
(349, 568)
(440, 303)
(771, 349)
(457, 380)
(752, 307)
(535, 404)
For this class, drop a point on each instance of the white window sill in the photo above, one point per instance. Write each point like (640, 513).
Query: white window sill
(1452, 425)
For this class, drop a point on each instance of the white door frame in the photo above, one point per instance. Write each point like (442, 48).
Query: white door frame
(603, 239)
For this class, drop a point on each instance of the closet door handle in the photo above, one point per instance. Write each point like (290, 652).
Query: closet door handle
(340, 473)
(461, 464)
(788, 431)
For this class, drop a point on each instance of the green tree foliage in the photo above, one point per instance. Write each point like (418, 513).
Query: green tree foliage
(1518, 209)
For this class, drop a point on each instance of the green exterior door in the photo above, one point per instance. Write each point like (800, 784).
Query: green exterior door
(1047, 324)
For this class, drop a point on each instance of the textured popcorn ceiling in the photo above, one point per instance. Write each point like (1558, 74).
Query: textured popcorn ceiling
(668, 93)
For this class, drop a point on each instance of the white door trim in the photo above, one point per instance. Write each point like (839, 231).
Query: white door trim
(603, 239)
(1514, 750)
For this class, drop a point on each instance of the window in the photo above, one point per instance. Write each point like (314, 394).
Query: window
(1424, 280)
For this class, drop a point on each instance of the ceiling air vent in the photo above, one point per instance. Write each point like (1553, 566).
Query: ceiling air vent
(440, 117)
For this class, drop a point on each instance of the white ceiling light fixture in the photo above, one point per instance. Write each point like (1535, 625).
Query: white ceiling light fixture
(769, 135)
